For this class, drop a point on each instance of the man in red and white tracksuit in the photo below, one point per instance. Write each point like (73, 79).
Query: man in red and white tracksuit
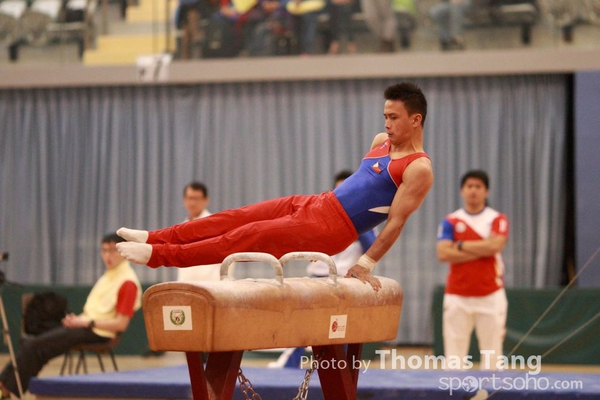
(470, 239)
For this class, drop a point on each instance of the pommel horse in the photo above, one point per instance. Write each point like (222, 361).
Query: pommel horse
(224, 318)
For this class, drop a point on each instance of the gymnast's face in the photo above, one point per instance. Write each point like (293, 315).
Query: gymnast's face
(399, 125)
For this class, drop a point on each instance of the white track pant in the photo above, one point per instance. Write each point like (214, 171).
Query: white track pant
(487, 315)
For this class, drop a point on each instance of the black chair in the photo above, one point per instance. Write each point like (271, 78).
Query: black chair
(522, 13)
(99, 349)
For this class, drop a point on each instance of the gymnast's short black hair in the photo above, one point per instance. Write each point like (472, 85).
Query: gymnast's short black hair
(412, 97)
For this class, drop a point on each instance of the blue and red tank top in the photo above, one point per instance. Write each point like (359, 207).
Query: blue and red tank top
(367, 195)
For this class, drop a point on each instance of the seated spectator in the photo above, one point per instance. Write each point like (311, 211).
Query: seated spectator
(187, 18)
(107, 311)
(406, 15)
(304, 20)
(340, 21)
(225, 35)
(270, 25)
(381, 20)
(449, 17)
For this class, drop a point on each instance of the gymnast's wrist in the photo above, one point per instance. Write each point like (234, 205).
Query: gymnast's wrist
(459, 245)
(366, 262)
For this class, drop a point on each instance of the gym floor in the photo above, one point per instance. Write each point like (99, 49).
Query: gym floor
(258, 359)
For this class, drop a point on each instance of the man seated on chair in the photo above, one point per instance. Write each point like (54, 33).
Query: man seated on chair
(107, 312)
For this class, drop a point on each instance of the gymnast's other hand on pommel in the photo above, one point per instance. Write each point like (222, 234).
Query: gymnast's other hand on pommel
(138, 253)
(363, 275)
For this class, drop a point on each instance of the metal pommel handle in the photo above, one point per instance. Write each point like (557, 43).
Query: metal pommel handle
(310, 256)
(252, 256)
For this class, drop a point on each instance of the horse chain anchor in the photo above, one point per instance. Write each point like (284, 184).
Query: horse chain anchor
(246, 387)
(303, 389)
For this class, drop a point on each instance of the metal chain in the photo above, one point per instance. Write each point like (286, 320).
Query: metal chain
(303, 389)
(246, 387)
(249, 393)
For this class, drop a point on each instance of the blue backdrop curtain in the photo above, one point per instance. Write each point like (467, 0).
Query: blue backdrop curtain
(79, 162)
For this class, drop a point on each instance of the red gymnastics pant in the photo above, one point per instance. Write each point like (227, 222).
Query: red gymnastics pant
(278, 226)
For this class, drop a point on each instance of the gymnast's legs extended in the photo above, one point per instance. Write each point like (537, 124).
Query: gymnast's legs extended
(309, 223)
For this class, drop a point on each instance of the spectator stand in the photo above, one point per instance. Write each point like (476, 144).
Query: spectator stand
(505, 12)
(11, 12)
(219, 36)
(48, 21)
(255, 33)
(406, 14)
(566, 14)
(492, 13)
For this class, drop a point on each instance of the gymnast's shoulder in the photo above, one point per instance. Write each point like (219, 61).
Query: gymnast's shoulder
(379, 139)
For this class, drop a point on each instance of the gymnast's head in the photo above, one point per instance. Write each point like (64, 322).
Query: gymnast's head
(411, 96)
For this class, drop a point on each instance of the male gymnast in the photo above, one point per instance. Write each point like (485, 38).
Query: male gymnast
(390, 184)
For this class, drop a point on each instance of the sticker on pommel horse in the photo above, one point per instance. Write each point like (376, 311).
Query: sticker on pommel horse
(337, 326)
(177, 318)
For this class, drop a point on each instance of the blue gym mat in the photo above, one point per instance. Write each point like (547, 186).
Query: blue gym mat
(174, 383)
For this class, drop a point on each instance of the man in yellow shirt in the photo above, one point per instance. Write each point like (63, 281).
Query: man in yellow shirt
(107, 311)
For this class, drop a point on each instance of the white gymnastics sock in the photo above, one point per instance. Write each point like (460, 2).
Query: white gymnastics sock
(138, 253)
(133, 235)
